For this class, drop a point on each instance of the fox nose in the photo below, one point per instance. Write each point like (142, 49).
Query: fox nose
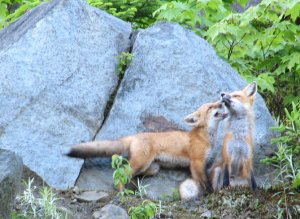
(223, 94)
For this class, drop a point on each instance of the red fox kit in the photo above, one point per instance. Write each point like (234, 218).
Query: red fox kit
(237, 151)
(177, 148)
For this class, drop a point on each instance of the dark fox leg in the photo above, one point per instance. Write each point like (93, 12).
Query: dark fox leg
(252, 181)
(208, 165)
(247, 173)
(152, 169)
(226, 176)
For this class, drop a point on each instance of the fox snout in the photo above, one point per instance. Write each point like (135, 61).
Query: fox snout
(225, 98)
(219, 111)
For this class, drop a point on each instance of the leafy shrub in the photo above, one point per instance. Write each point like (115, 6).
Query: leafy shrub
(123, 61)
(290, 130)
(287, 160)
(138, 12)
(263, 45)
(288, 144)
(32, 206)
(146, 210)
(11, 10)
(194, 14)
(122, 174)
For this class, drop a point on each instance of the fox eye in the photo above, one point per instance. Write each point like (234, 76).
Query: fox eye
(235, 95)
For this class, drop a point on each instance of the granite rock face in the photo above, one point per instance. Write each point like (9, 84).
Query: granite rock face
(57, 77)
(11, 168)
(57, 73)
(172, 73)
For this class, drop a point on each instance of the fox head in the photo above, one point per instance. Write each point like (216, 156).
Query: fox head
(239, 102)
(207, 115)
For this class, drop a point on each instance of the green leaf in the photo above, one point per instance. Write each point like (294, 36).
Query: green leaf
(294, 60)
(266, 82)
(3, 11)
(242, 2)
(294, 11)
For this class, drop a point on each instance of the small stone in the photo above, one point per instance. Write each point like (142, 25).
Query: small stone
(96, 214)
(207, 214)
(76, 190)
(170, 215)
(110, 211)
(92, 196)
(73, 201)
(66, 212)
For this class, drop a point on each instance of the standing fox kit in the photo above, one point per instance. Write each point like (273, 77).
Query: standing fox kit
(176, 148)
(237, 151)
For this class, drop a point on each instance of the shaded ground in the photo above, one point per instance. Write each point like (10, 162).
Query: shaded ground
(228, 203)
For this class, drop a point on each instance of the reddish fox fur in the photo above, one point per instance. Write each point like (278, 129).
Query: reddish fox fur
(174, 148)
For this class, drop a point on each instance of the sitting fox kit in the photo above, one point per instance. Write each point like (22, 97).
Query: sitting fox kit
(176, 148)
(237, 151)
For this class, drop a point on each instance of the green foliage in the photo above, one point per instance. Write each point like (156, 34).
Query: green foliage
(296, 182)
(141, 189)
(263, 45)
(146, 210)
(195, 14)
(11, 10)
(33, 207)
(286, 159)
(175, 194)
(290, 131)
(122, 174)
(123, 61)
(287, 168)
(138, 12)
(123, 170)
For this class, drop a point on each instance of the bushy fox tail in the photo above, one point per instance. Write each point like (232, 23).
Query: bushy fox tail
(100, 148)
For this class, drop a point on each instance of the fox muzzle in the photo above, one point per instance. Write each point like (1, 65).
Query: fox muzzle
(226, 100)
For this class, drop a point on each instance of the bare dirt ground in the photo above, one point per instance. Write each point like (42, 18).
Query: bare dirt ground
(228, 203)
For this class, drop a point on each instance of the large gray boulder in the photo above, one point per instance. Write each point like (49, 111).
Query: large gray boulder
(57, 73)
(172, 73)
(11, 168)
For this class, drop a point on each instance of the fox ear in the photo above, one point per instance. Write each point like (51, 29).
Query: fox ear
(251, 89)
(191, 120)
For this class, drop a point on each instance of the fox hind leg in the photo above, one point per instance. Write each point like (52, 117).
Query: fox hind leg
(226, 176)
(216, 177)
(247, 173)
(252, 182)
(152, 170)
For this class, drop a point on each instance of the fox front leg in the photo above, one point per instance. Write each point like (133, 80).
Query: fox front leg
(208, 166)
(199, 174)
